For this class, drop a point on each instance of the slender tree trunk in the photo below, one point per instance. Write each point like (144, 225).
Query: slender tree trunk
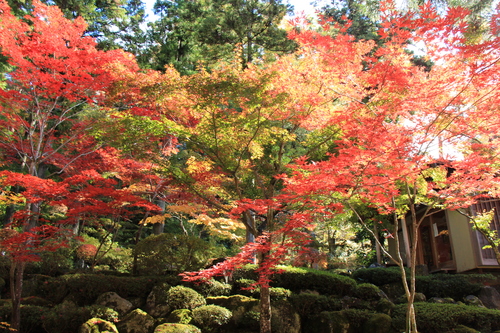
(158, 228)
(16, 289)
(265, 310)
(265, 303)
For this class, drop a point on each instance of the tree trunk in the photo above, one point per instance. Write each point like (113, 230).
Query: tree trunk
(16, 289)
(265, 310)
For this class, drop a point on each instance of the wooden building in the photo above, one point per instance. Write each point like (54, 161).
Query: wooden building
(447, 241)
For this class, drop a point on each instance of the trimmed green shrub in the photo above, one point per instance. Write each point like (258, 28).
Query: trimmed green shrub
(378, 275)
(65, 317)
(367, 291)
(350, 320)
(378, 323)
(308, 305)
(31, 318)
(438, 318)
(299, 279)
(176, 328)
(250, 321)
(212, 288)
(52, 263)
(180, 297)
(211, 317)
(241, 287)
(158, 254)
(180, 316)
(456, 286)
(463, 329)
(279, 294)
(85, 288)
(103, 312)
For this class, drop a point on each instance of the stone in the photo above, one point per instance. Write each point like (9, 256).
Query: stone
(156, 303)
(490, 297)
(473, 301)
(97, 325)
(136, 321)
(441, 300)
(113, 301)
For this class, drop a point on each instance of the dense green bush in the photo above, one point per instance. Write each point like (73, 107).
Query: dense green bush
(367, 291)
(307, 304)
(176, 328)
(180, 316)
(350, 320)
(53, 263)
(456, 286)
(103, 312)
(65, 317)
(212, 288)
(438, 318)
(85, 288)
(299, 279)
(162, 253)
(378, 275)
(31, 317)
(180, 297)
(210, 317)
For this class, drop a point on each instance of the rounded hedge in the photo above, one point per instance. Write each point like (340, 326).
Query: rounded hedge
(180, 297)
(210, 317)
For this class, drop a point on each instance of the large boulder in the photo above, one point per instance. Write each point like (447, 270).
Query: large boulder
(156, 303)
(114, 301)
(97, 325)
(136, 321)
(490, 297)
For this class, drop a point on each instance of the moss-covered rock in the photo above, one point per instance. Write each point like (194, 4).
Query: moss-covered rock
(136, 321)
(156, 303)
(97, 325)
(180, 316)
(114, 301)
(240, 306)
(176, 328)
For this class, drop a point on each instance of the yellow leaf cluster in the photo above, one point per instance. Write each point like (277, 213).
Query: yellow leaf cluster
(9, 198)
(156, 219)
(219, 226)
(185, 209)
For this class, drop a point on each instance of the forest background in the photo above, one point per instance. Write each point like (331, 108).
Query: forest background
(269, 140)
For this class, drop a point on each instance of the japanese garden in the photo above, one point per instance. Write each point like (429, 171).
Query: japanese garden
(232, 166)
